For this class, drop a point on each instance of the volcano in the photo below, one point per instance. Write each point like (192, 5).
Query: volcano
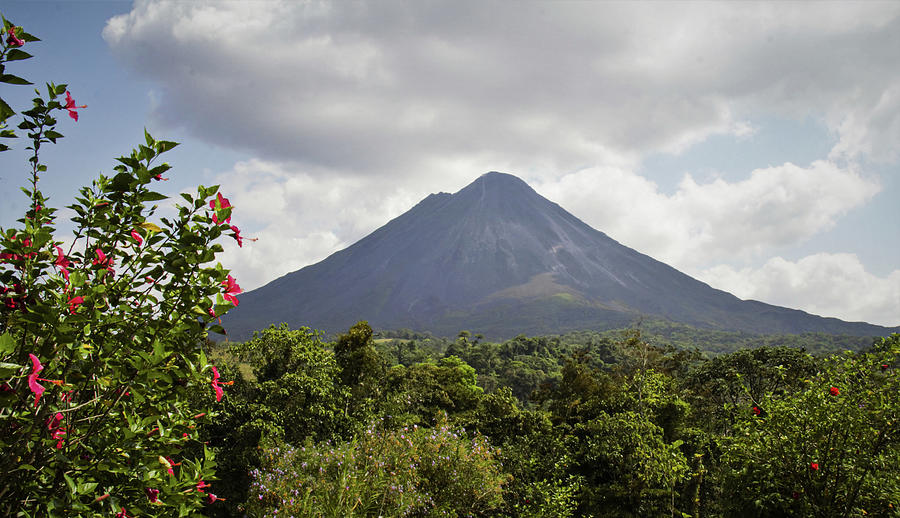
(500, 259)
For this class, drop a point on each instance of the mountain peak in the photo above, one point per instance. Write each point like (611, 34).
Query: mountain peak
(499, 257)
(498, 179)
(495, 187)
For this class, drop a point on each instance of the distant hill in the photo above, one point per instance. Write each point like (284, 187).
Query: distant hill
(499, 258)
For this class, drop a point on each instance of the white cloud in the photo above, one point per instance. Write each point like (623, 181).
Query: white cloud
(836, 285)
(704, 223)
(298, 219)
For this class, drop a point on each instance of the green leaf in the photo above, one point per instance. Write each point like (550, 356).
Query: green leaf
(5, 111)
(8, 369)
(70, 483)
(16, 54)
(153, 196)
(14, 80)
(86, 487)
(164, 145)
(7, 345)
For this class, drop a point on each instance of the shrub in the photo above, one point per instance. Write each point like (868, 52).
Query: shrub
(100, 357)
(412, 471)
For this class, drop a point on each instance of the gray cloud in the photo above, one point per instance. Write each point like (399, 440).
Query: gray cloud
(372, 87)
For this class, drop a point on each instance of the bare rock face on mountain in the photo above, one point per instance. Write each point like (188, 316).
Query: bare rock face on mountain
(500, 259)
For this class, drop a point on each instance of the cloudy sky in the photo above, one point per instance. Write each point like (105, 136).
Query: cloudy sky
(755, 146)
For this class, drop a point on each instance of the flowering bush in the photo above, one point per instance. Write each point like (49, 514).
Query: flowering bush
(100, 335)
(829, 450)
(412, 471)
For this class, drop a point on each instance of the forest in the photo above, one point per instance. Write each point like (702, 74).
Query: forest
(584, 424)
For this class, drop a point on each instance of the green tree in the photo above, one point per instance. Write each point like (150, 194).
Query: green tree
(417, 394)
(293, 396)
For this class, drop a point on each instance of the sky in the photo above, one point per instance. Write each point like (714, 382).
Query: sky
(753, 146)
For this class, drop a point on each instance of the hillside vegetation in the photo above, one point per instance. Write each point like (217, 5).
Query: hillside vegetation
(584, 424)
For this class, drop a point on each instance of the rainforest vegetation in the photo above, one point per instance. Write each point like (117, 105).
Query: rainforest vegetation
(578, 425)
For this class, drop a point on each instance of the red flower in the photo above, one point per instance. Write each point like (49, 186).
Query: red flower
(10, 298)
(834, 391)
(62, 263)
(884, 367)
(137, 237)
(101, 259)
(231, 289)
(35, 387)
(122, 513)
(814, 466)
(756, 410)
(12, 40)
(220, 202)
(202, 485)
(56, 431)
(104, 260)
(70, 105)
(160, 177)
(152, 494)
(210, 498)
(237, 236)
(74, 302)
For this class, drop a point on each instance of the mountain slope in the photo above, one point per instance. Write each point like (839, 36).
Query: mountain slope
(498, 258)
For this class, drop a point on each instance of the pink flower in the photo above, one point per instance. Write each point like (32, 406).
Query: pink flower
(56, 431)
(12, 40)
(152, 494)
(12, 297)
(231, 289)
(35, 387)
(220, 202)
(210, 498)
(101, 259)
(240, 239)
(104, 260)
(53, 422)
(70, 105)
(217, 385)
(74, 302)
(137, 237)
(160, 177)
(237, 236)
(61, 261)
(122, 513)
(202, 485)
